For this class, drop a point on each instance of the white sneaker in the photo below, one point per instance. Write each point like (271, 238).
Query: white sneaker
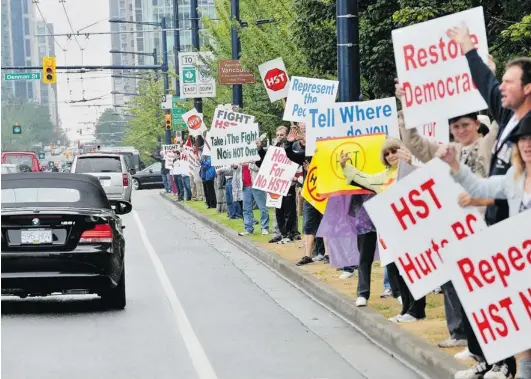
(406, 318)
(346, 275)
(395, 318)
(318, 258)
(265, 232)
(499, 371)
(361, 302)
(284, 241)
(464, 355)
(244, 233)
(475, 372)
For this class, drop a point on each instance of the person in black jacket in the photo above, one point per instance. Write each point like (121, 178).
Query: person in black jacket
(166, 181)
(311, 217)
(508, 103)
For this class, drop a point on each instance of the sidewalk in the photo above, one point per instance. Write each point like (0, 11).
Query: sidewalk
(416, 343)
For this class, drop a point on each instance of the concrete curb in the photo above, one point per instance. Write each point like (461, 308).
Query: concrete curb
(425, 358)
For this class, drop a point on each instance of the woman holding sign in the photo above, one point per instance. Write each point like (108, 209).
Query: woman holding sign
(515, 186)
(392, 152)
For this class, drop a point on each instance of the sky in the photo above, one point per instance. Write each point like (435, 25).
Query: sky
(82, 13)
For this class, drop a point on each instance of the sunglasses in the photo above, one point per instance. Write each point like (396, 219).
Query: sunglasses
(390, 151)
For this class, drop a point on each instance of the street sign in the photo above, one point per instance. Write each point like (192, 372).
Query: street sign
(23, 76)
(195, 78)
(166, 102)
(42, 156)
(51, 164)
(177, 114)
(17, 129)
(275, 78)
(231, 72)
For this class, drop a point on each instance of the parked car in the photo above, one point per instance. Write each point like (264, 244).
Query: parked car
(148, 177)
(60, 234)
(111, 170)
(23, 158)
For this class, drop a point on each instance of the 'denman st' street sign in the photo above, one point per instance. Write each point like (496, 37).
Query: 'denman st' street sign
(23, 76)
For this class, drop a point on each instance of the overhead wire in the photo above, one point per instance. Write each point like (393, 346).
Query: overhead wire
(36, 2)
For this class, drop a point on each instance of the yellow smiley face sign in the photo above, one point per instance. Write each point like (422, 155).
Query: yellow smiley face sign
(364, 154)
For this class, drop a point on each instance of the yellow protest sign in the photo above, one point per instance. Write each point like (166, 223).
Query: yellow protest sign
(364, 155)
(309, 188)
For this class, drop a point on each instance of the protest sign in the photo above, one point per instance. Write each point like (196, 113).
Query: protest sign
(491, 273)
(194, 121)
(433, 70)
(420, 221)
(169, 157)
(273, 200)
(306, 93)
(207, 149)
(364, 155)
(170, 147)
(275, 78)
(309, 187)
(351, 120)
(232, 138)
(435, 131)
(276, 172)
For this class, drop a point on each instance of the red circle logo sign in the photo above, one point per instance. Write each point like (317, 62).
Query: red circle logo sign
(275, 79)
(194, 122)
(311, 185)
(357, 158)
(274, 196)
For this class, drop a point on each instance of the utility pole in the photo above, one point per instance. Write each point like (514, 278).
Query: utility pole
(237, 89)
(194, 20)
(176, 49)
(348, 50)
(167, 136)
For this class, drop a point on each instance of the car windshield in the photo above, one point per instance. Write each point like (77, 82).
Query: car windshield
(52, 190)
(19, 159)
(98, 164)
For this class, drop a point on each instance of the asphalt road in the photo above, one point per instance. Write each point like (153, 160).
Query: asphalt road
(198, 307)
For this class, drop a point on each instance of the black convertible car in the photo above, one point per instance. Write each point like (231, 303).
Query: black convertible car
(60, 234)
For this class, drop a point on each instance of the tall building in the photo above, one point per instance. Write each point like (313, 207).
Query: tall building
(122, 10)
(48, 92)
(148, 11)
(18, 49)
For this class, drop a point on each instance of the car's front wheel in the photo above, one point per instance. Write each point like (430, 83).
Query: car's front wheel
(136, 184)
(114, 298)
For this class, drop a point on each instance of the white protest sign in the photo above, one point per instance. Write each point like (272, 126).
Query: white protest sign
(491, 273)
(433, 70)
(435, 131)
(170, 147)
(276, 172)
(307, 93)
(351, 119)
(275, 78)
(418, 217)
(169, 157)
(194, 121)
(232, 138)
(187, 155)
(273, 201)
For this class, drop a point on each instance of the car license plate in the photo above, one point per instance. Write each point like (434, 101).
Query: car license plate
(35, 237)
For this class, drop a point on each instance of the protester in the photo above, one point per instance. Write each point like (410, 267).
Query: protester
(234, 207)
(515, 186)
(208, 174)
(392, 151)
(184, 170)
(219, 188)
(164, 172)
(176, 174)
(311, 218)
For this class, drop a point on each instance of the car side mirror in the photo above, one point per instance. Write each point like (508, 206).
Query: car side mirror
(132, 171)
(122, 207)
(151, 171)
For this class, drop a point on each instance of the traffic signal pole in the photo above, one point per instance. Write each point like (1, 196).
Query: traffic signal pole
(237, 89)
(348, 50)
(194, 20)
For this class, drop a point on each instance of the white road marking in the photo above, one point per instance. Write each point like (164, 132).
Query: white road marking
(200, 361)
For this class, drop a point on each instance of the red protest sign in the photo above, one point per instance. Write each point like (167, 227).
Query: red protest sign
(194, 122)
(276, 79)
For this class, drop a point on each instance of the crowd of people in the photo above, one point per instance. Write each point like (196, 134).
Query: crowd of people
(489, 155)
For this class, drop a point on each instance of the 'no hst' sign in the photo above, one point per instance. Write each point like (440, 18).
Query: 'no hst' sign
(275, 78)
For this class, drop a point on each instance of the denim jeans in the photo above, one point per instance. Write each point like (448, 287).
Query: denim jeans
(387, 283)
(233, 208)
(187, 189)
(178, 179)
(248, 218)
(454, 312)
(166, 181)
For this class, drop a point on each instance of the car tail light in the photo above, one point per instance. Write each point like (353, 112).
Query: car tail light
(101, 233)
(125, 180)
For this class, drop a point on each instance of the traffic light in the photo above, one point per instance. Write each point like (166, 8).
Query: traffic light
(167, 119)
(48, 70)
(17, 129)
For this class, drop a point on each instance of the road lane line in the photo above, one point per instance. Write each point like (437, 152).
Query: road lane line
(200, 361)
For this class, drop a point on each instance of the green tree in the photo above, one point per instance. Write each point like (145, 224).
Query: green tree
(35, 121)
(110, 128)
